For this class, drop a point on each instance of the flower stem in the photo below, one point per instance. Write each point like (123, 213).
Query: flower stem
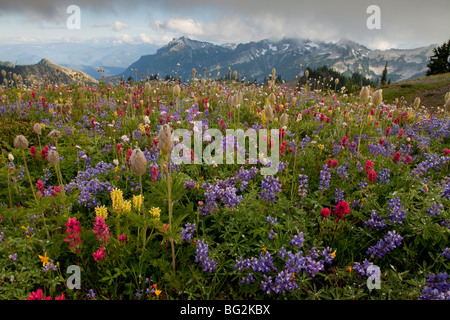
(29, 178)
(143, 211)
(169, 191)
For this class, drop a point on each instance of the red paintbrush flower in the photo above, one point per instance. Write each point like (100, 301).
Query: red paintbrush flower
(341, 209)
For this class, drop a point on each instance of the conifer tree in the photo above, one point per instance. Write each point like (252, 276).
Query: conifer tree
(440, 60)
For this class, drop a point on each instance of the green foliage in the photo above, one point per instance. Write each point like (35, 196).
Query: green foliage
(440, 60)
(137, 260)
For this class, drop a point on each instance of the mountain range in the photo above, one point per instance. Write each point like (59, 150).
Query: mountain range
(86, 56)
(255, 60)
(44, 69)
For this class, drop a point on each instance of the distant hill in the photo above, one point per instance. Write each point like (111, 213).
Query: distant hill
(45, 69)
(431, 90)
(290, 57)
(87, 56)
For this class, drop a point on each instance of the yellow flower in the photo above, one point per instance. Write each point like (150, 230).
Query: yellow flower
(264, 249)
(117, 199)
(101, 212)
(141, 126)
(126, 206)
(333, 254)
(137, 202)
(263, 118)
(115, 114)
(349, 268)
(157, 292)
(155, 213)
(321, 146)
(44, 259)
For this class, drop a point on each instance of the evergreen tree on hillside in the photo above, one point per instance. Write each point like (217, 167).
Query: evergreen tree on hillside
(384, 76)
(352, 82)
(440, 60)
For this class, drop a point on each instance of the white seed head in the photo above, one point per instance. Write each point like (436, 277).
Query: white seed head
(364, 95)
(268, 112)
(284, 120)
(272, 98)
(37, 129)
(53, 157)
(54, 134)
(165, 142)
(377, 97)
(20, 142)
(417, 103)
(138, 162)
(176, 91)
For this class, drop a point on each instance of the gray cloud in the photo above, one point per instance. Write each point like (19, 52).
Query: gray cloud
(413, 22)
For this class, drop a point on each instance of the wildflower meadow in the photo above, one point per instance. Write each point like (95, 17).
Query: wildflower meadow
(93, 205)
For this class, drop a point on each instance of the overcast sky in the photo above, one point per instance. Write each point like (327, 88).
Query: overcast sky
(404, 23)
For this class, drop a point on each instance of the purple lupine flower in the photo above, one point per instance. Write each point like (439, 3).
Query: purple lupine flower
(389, 242)
(375, 222)
(190, 184)
(361, 268)
(338, 195)
(445, 192)
(363, 184)
(352, 147)
(270, 187)
(444, 223)
(90, 294)
(282, 253)
(325, 178)
(244, 175)
(271, 234)
(384, 176)
(336, 148)
(437, 288)
(264, 264)
(446, 253)
(201, 255)
(284, 281)
(327, 255)
(312, 267)
(188, 232)
(397, 211)
(302, 185)
(342, 171)
(249, 279)
(267, 284)
(357, 204)
(435, 210)
(297, 240)
(271, 220)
